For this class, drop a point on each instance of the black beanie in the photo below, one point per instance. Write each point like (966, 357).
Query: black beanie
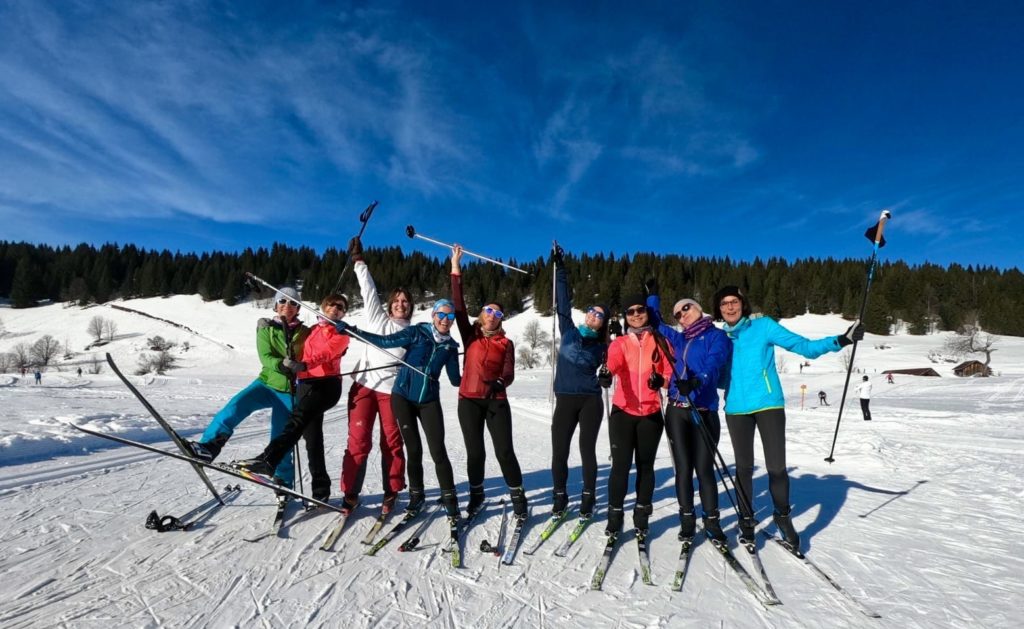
(730, 291)
(636, 299)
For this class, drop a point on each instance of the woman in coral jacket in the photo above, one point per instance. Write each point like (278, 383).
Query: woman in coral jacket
(635, 424)
(489, 367)
(318, 389)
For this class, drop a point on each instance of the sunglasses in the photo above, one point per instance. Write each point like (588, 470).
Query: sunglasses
(679, 313)
(441, 316)
(636, 310)
(597, 313)
(494, 312)
(282, 302)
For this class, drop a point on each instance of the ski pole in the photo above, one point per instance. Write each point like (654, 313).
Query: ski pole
(411, 233)
(874, 234)
(328, 319)
(364, 218)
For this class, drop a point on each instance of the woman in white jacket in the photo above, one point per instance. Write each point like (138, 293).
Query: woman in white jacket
(370, 393)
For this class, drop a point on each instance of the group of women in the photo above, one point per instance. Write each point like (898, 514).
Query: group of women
(666, 379)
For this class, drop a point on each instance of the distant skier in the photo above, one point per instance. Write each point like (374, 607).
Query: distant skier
(888, 378)
(79, 372)
(38, 377)
(864, 391)
(822, 399)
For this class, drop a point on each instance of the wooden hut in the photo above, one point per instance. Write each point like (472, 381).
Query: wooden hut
(971, 368)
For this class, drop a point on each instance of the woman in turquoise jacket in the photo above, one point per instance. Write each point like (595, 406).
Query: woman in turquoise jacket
(753, 399)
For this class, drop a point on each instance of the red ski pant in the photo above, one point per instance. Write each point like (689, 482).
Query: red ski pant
(364, 404)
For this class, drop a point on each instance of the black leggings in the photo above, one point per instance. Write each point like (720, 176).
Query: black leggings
(772, 426)
(432, 419)
(313, 398)
(690, 453)
(631, 434)
(570, 410)
(497, 415)
(865, 408)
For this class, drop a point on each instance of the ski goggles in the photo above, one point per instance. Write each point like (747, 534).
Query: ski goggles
(441, 316)
(494, 312)
(597, 313)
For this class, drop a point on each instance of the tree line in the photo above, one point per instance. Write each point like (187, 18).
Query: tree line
(923, 297)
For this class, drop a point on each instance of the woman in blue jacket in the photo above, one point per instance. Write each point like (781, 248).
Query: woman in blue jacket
(753, 399)
(430, 348)
(582, 351)
(701, 354)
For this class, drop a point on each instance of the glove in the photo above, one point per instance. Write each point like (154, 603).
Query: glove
(656, 381)
(651, 286)
(604, 377)
(855, 333)
(343, 327)
(355, 248)
(615, 328)
(292, 366)
(686, 387)
(557, 254)
(494, 388)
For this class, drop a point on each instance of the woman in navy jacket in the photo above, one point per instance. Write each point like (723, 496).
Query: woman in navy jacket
(583, 349)
(701, 354)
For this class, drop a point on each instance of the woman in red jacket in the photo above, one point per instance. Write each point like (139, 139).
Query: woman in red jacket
(635, 423)
(318, 390)
(489, 367)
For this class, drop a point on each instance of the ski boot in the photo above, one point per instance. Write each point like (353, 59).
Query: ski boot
(615, 518)
(642, 518)
(559, 503)
(747, 525)
(390, 497)
(789, 534)
(349, 504)
(713, 528)
(451, 505)
(476, 499)
(519, 504)
(257, 465)
(587, 504)
(203, 451)
(416, 500)
(687, 525)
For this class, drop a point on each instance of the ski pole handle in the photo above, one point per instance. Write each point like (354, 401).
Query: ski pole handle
(882, 220)
(411, 233)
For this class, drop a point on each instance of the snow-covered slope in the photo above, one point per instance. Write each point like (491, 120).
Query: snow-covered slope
(918, 515)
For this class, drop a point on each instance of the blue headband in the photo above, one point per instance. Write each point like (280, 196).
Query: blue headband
(441, 303)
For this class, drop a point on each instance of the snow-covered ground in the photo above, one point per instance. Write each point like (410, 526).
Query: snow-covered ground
(918, 516)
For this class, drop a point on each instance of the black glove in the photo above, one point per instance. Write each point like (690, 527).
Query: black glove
(557, 255)
(615, 327)
(686, 387)
(604, 377)
(355, 247)
(651, 286)
(494, 387)
(292, 366)
(656, 381)
(854, 333)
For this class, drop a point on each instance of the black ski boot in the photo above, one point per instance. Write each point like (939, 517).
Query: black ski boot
(258, 465)
(615, 517)
(349, 503)
(476, 499)
(519, 504)
(785, 526)
(687, 525)
(747, 530)
(587, 504)
(451, 505)
(713, 528)
(205, 451)
(416, 500)
(642, 517)
(559, 503)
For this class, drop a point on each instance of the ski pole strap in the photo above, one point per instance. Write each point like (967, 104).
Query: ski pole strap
(164, 524)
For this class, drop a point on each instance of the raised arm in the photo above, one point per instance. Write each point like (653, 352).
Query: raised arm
(461, 315)
(797, 344)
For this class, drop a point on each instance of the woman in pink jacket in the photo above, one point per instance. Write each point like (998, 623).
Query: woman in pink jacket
(635, 423)
(318, 389)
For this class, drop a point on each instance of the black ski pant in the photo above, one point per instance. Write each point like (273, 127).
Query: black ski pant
(691, 453)
(586, 411)
(429, 415)
(313, 398)
(864, 409)
(630, 436)
(771, 424)
(474, 414)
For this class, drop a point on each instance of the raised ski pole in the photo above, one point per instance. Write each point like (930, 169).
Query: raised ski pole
(874, 234)
(364, 218)
(411, 233)
(325, 318)
(554, 322)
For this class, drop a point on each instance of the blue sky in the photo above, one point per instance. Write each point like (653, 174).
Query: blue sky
(715, 128)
